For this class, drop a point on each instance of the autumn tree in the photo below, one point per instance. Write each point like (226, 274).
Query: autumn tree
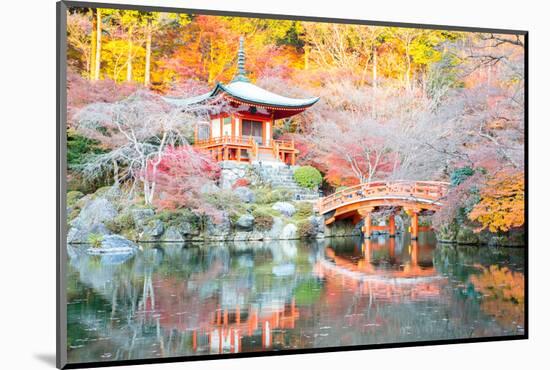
(502, 204)
(180, 176)
(137, 131)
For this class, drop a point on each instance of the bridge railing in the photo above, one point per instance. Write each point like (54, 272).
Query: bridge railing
(432, 191)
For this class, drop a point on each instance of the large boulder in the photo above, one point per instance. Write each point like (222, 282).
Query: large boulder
(172, 234)
(290, 231)
(187, 228)
(98, 210)
(91, 220)
(276, 229)
(285, 208)
(81, 233)
(244, 194)
(141, 216)
(318, 225)
(153, 230)
(245, 222)
(218, 230)
(114, 244)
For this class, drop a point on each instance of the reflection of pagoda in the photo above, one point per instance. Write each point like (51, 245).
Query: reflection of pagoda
(225, 332)
(244, 131)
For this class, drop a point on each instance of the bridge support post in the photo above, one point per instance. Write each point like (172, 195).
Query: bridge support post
(367, 225)
(392, 226)
(414, 225)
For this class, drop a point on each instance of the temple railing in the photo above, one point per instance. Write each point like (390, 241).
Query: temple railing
(284, 144)
(247, 141)
(422, 191)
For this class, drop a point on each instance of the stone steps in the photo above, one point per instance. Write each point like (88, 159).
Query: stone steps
(282, 177)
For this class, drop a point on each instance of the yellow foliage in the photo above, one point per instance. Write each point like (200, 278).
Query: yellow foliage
(502, 204)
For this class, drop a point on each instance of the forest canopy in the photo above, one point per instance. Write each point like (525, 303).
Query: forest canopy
(403, 103)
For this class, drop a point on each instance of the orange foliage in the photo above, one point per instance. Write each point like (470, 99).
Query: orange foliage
(502, 203)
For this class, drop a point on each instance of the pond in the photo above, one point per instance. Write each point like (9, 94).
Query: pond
(185, 300)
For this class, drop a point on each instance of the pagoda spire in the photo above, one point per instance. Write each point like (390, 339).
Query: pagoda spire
(241, 71)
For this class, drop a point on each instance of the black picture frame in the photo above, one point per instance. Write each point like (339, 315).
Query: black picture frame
(61, 186)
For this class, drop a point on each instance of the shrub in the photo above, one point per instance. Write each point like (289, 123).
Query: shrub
(270, 196)
(95, 240)
(461, 174)
(176, 217)
(263, 218)
(305, 229)
(120, 223)
(303, 210)
(263, 223)
(308, 177)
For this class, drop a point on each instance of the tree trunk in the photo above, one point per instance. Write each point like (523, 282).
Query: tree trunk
(306, 57)
(93, 46)
(147, 79)
(129, 62)
(374, 68)
(98, 46)
(408, 72)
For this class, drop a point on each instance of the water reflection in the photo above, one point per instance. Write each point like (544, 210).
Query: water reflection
(175, 300)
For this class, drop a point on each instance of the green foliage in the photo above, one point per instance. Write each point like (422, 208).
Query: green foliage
(121, 223)
(95, 240)
(270, 196)
(78, 147)
(258, 209)
(303, 210)
(461, 174)
(175, 217)
(73, 197)
(308, 177)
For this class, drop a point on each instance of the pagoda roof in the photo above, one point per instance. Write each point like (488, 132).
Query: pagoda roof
(248, 93)
(241, 90)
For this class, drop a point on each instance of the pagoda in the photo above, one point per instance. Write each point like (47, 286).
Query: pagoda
(244, 131)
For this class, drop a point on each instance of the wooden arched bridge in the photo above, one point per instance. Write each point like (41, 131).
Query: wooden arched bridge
(360, 201)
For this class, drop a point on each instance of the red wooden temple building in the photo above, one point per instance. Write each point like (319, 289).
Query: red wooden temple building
(244, 131)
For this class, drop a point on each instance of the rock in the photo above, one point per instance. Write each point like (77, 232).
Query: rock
(285, 208)
(186, 228)
(245, 222)
(80, 234)
(172, 234)
(289, 232)
(244, 194)
(318, 223)
(141, 216)
(217, 231)
(91, 220)
(99, 210)
(276, 229)
(114, 244)
(153, 230)
(256, 235)
(248, 236)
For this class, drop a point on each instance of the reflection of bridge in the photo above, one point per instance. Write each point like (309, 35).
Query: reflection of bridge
(410, 279)
(360, 201)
